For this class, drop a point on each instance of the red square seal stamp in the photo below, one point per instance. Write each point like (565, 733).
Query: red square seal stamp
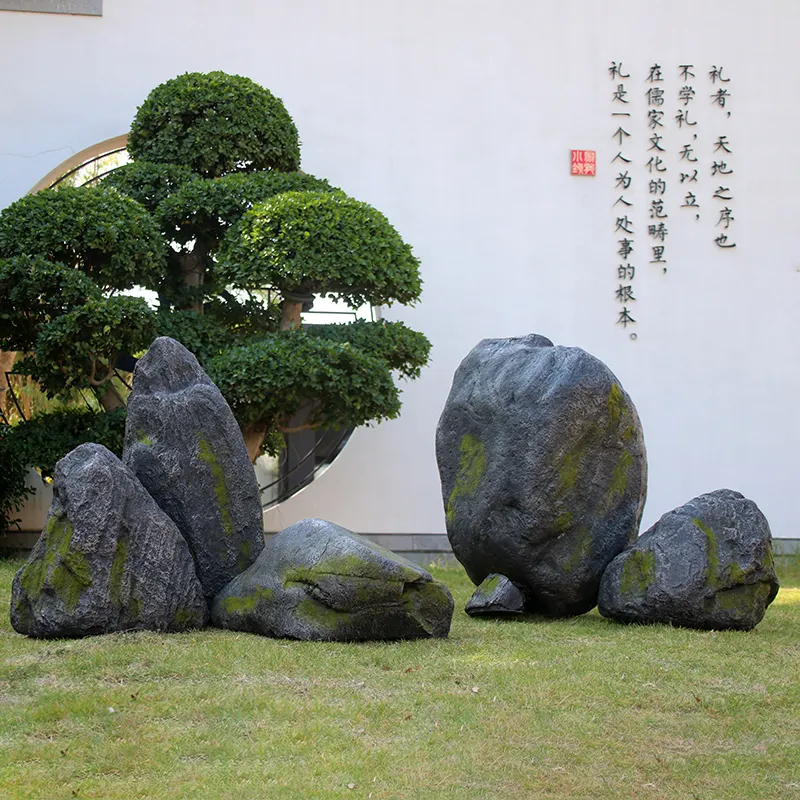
(584, 162)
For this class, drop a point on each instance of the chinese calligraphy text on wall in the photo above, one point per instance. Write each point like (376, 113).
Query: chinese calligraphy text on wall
(685, 172)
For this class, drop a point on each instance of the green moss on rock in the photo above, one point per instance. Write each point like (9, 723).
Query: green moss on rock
(183, 618)
(712, 554)
(209, 458)
(568, 471)
(117, 571)
(638, 572)
(248, 603)
(136, 607)
(471, 467)
(66, 570)
(21, 608)
(320, 616)
(619, 477)
(421, 599)
(628, 433)
(347, 566)
(616, 405)
(582, 549)
(739, 575)
(742, 599)
(244, 556)
(563, 522)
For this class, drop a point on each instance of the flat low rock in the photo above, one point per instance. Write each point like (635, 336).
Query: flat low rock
(496, 596)
(543, 468)
(109, 559)
(317, 581)
(707, 564)
(184, 445)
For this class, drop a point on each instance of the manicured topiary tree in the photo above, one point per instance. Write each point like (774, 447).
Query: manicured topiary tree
(213, 215)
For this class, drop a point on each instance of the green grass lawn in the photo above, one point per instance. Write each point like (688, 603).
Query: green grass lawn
(580, 708)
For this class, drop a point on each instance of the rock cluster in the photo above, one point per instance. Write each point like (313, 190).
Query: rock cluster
(150, 542)
(543, 468)
(542, 461)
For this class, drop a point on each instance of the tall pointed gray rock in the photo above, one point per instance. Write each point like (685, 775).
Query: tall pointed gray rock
(184, 445)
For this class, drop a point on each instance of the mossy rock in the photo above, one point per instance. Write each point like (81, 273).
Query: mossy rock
(317, 581)
(184, 445)
(108, 559)
(707, 564)
(543, 467)
(497, 596)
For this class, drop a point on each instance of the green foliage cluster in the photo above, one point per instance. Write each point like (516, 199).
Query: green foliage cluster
(205, 209)
(149, 184)
(14, 490)
(70, 331)
(95, 333)
(36, 292)
(317, 243)
(215, 123)
(104, 234)
(402, 348)
(42, 440)
(214, 216)
(292, 371)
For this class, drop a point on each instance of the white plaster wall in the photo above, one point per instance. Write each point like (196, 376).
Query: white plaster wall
(455, 118)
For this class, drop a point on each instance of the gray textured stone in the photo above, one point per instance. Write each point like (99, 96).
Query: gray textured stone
(707, 564)
(108, 560)
(317, 581)
(496, 596)
(184, 445)
(543, 469)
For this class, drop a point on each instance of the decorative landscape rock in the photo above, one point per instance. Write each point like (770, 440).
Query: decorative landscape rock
(108, 560)
(543, 468)
(317, 581)
(707, 564)
(496, 595)
(184, 445)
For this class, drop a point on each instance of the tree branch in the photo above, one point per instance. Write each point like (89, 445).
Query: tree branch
(109, 372)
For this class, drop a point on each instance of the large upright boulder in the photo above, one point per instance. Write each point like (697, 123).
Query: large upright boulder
(316, 581)
(184, 445)
(707, 564)
(543, 469)
(109, 558)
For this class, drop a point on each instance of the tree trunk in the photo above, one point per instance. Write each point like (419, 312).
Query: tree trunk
(291, 319)
(253, 438)
(192, 269)
(110, 399)
(6, 365)
(294, 304)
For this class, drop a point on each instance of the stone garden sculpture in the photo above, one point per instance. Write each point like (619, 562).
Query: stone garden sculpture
(707, 564)
(150, 543)
(544, 474)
